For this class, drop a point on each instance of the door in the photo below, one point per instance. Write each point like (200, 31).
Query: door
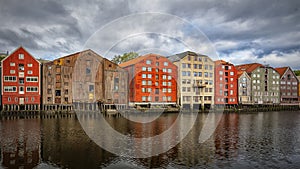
(21, 100)
(21, 90)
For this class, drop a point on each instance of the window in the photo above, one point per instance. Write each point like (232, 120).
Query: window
(149, 69)
(12, 64)
(21, 56)
(12, 71)
(164, 77)
(169, 83)
(143, 98)
(183, 65)
(21, 80)
(169, 98)
(31, 89)
(149, 98)
(169, 77)
(57, 93)
(29, 72)
(116, 83)
(10, 88)
(164, 70)
(144, 82)
(200, 66)
(166, 63)
(150, 76)
(143, 90)
(164, 98)
(169, 70)
(220, 72)
(164, 83)
(164, 90)
(144, 68)
(231, 73)
(189, 65)
(91, 88)
(31, 79)
(87, 71)
(206, 74)
(29, 64)
(157, 64)
(10, 78)
(148, 62)
(149, 82)
(21, 67)
(169, 90)
(144, 75)
(149, 90)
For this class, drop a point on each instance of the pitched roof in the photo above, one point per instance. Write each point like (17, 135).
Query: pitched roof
(179, 56)
(222, 62)
(281, 70)
(239, 73)
(137, 60)
(20, 48)
(248, 67)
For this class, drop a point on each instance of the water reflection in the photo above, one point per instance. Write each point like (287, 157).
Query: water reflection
(20, 143)
(256, 140)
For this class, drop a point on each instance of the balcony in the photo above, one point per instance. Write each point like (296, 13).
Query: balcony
(200, 85)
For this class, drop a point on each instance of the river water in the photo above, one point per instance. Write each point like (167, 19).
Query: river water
(248, 140)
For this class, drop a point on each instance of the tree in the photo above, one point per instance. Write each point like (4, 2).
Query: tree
(297, 72)
(125, 57)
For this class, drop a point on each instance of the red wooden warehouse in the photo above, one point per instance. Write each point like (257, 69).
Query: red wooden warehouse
(20, 81)
(226, 90)
(152, 81)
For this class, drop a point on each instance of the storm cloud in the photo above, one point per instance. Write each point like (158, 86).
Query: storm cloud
(265, 31)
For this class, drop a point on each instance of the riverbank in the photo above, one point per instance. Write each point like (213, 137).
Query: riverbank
(117, 113)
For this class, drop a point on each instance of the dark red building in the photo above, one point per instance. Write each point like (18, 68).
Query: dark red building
(20, 81)
(152, 80)
(226, 90)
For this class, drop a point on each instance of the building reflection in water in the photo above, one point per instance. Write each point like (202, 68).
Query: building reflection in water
(227, 136)
(20, 143)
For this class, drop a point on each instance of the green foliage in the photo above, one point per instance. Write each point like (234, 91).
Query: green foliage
(297, 72)
(2, 57)
(125, 57)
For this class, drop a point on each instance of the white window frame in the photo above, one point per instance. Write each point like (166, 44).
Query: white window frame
(29, 65)
(10, 88)
(21, 56)
(31, 89)
(31, 79)
(12, 64)
(7, 78)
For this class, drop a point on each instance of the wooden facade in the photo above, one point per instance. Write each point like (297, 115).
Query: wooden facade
(152, 80)
(84, 77)
(244, 88)
(21, 81)
(225, 83)
(288, 86)
(264, 83)
(195, 80)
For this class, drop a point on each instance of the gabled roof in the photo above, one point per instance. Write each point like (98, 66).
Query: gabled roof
(249, 68)
(20, 47)
(281, 70)
(222, 62)
(179, 56)
(137, 60)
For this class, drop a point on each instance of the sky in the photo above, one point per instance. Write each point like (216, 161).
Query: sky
(238, 31)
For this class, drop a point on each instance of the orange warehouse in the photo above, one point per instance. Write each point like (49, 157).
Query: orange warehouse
(152, 80)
